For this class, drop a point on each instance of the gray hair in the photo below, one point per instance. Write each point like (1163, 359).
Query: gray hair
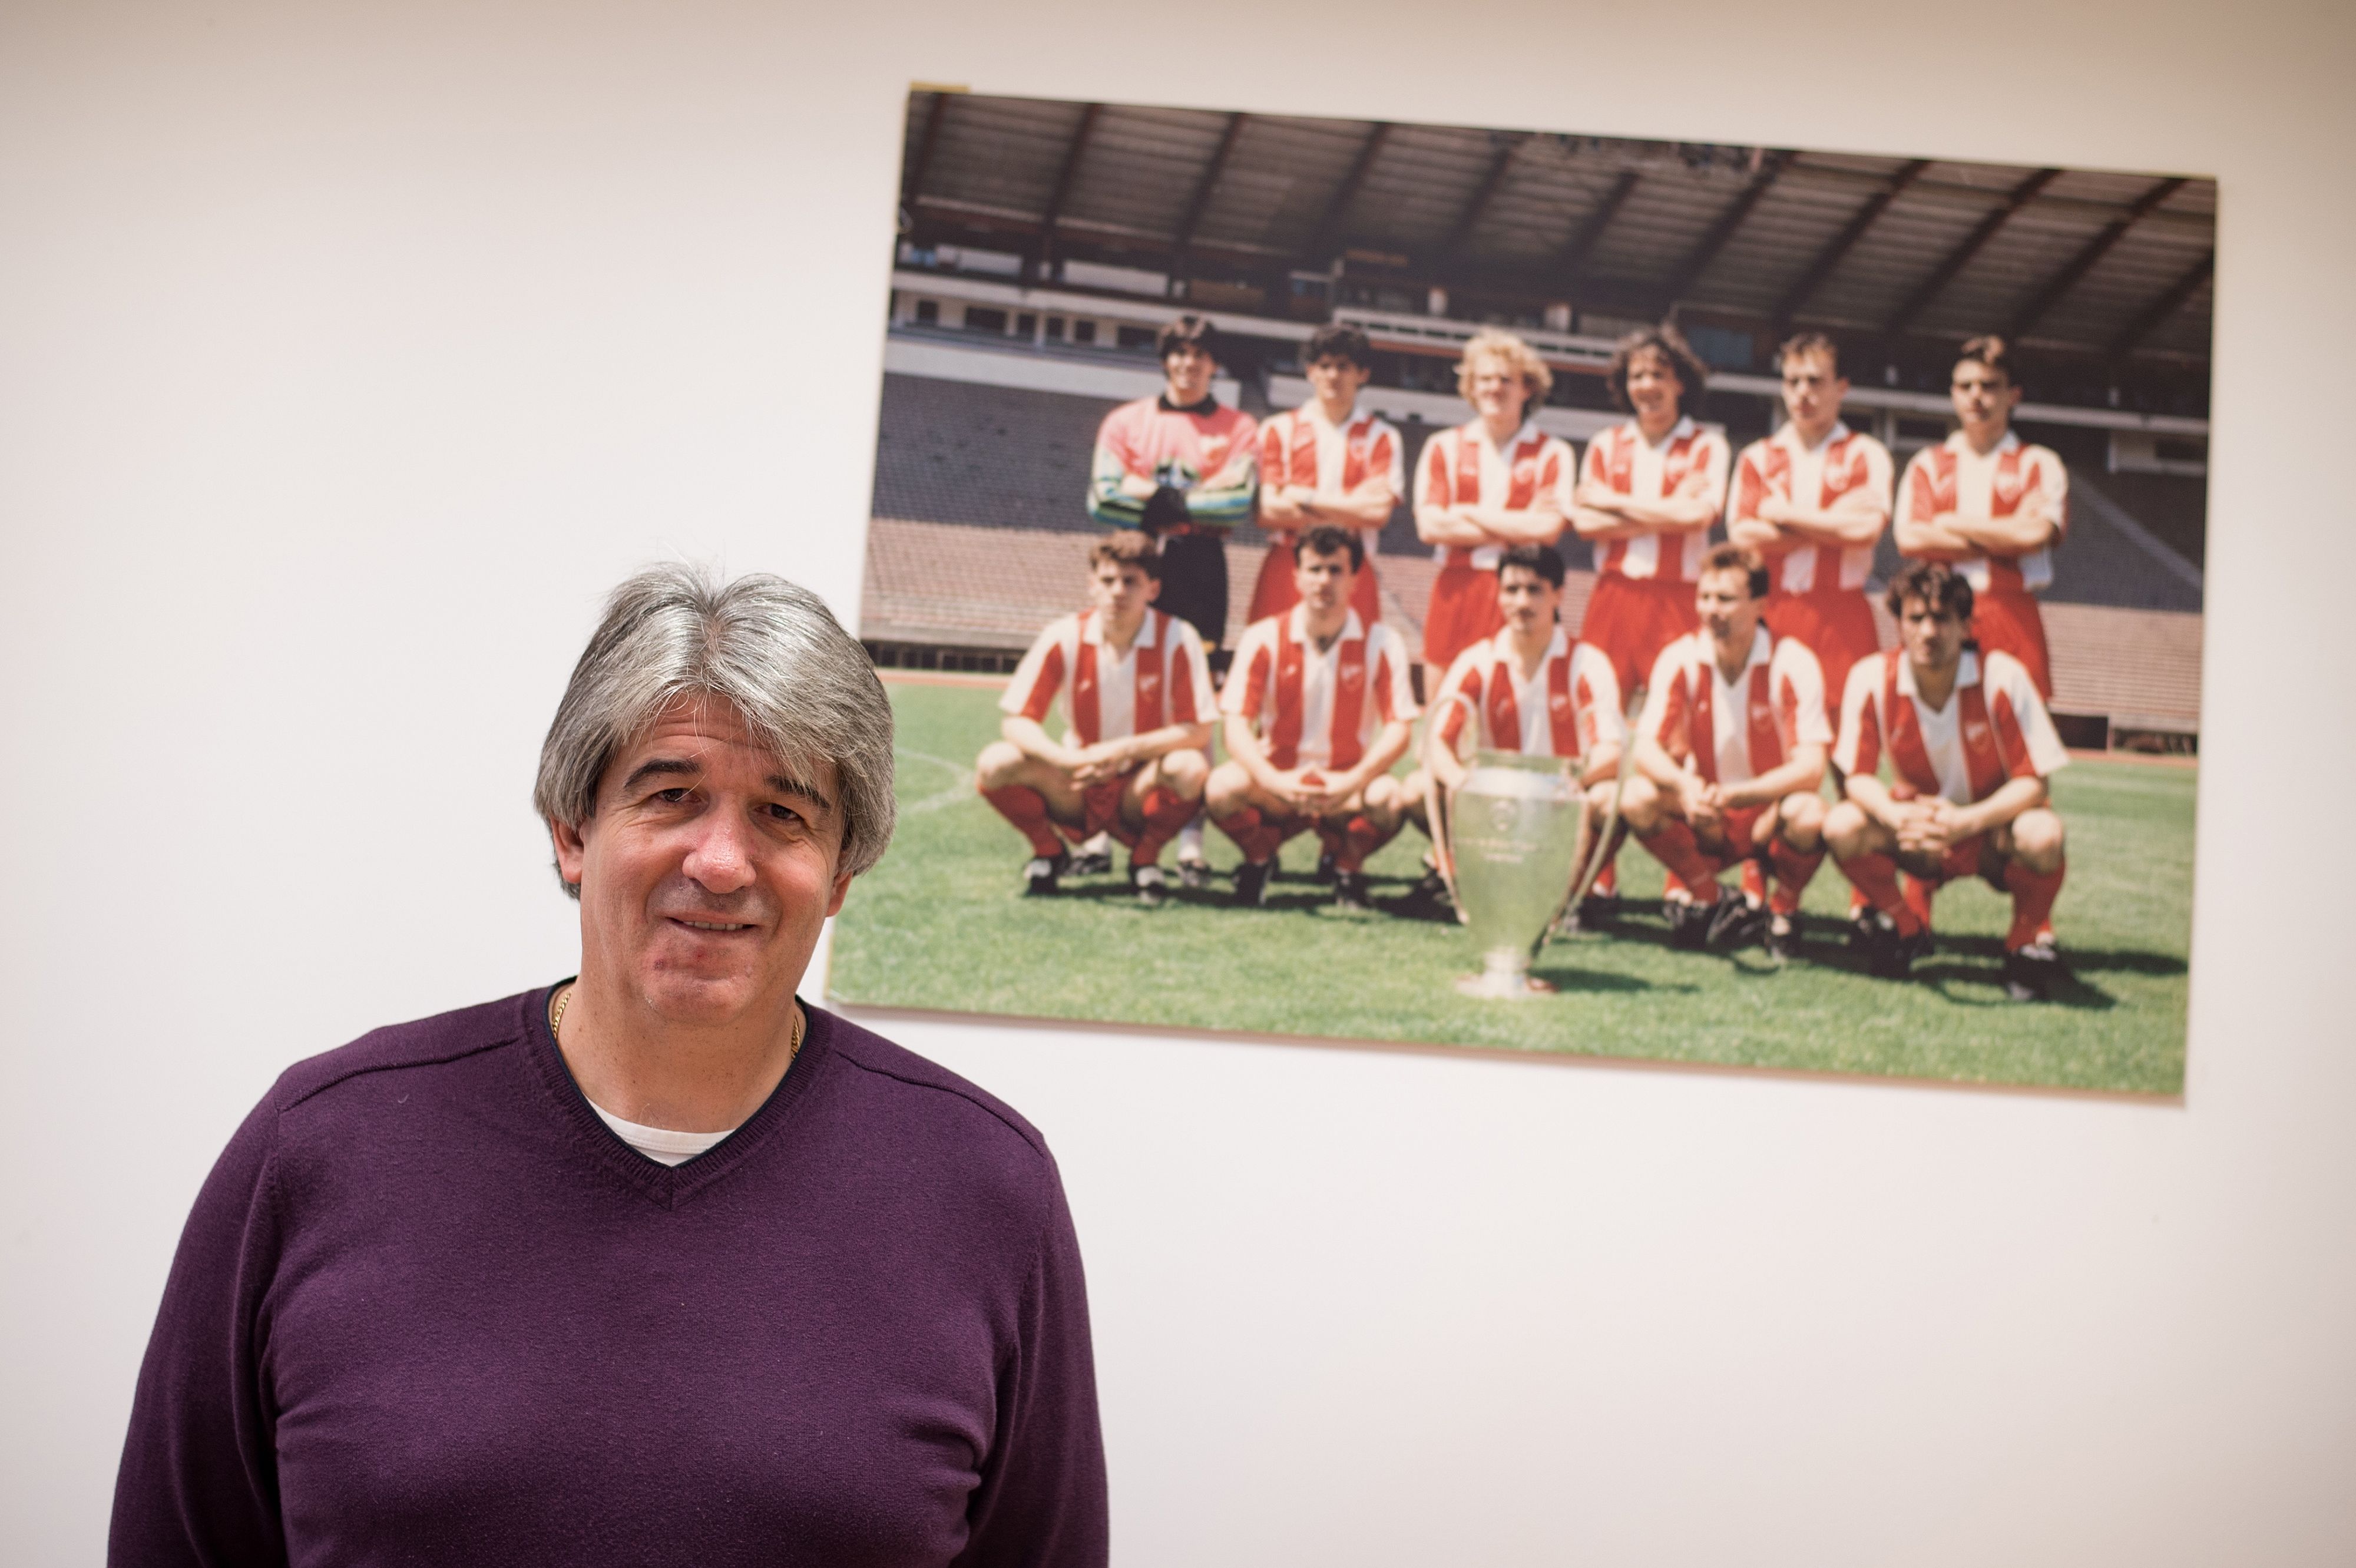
(770, 649)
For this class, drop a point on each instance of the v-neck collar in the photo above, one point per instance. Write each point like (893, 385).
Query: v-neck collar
(667, 1187)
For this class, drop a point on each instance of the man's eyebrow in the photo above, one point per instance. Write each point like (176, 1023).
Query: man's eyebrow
(657, 767)
(786, 785)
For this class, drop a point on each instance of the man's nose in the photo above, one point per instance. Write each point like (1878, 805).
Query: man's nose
(721, 860)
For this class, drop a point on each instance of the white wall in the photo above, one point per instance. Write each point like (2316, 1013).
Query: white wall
(348, 352)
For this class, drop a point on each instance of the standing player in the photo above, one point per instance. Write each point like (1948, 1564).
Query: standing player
(1317, 710)
(1992, 506)
(1325, 462)
(1972, 747)
(1495, 482)
(1729, 756)
(1648, 492)
(1137, 693)
(1184, 469)
(1812, 499)
(1529, 689)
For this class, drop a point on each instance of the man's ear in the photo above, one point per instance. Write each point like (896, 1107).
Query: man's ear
(572, 854)
(1152, 590)
(842, 887)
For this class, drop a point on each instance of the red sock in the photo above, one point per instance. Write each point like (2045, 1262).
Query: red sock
(1606, 881)
(1027, 810)
(1793, 873)
(1672, 843)
(1918, 896)
(1360, 838)
(1330, 842)
(1251, 833)
(1166, 812)
(1857, 902)
(1754, 880)
(1876, 876)
(2033, 893)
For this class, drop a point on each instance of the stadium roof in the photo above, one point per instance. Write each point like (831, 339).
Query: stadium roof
(2109, 268)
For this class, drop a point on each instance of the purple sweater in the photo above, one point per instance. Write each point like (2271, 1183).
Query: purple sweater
(429, 1309)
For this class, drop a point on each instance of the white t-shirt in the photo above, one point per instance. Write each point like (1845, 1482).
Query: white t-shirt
(660, 1144)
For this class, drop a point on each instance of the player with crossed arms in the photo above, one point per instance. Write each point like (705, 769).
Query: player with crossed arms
(1530, 689)
(1136, 690)
(1730, 757)
(1972, 747)
(1317, 708)
(1327, 462)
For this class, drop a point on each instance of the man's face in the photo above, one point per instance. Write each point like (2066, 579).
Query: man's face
(1983, 400)
(1728, 611)
(1336, 379)
(1189, 368)
(705, 872)
(1813, 391)
(1324, 580)
(1527, 600)
(1499, 392)
(1121, 591)
(1933, 641)
(1654, 390)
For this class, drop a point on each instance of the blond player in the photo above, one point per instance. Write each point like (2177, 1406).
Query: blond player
(1529, 689)
(1729, 756)
(1327, 462)
(1971, 746)
(1317, 708)
(1992, 506)
(1136, 691)
(1482, 486)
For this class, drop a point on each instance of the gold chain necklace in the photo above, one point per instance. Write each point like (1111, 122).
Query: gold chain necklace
(563, 999)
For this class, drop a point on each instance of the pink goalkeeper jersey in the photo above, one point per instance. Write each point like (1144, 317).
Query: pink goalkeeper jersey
(1163, 678)
(1736, 730)
(1845, 464)
(1690, 462)
(1318, 709)
(1951, 477)
(1571, 705)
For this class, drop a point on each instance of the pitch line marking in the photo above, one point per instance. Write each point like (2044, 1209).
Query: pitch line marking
(960, 791)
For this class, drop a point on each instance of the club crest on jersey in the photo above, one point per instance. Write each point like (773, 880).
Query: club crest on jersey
(1526, 473)
(1148, 678)
(1973, 731)
(2009, 486)
(1352, 674)
(1557, 701)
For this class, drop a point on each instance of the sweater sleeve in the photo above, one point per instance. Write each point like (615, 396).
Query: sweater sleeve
(1042, 1501)
(198, 1482)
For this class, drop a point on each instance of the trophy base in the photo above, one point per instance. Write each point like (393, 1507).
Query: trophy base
(1504, 985)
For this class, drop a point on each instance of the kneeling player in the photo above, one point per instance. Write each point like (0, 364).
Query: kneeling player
(1528, 689)
(1972, 747)
(1317, 710)
(1730, 757)
(1137, 692)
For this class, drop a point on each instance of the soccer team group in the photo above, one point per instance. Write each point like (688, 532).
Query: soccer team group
(1768, 706)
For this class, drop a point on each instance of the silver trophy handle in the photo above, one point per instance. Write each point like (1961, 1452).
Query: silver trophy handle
(1590, 860)
(1435, 802)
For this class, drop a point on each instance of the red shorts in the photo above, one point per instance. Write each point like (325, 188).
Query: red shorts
(1737, 839)
(1276, 590)
(1463, 610)
(1099, 813)
(1836, 625)
(2011, 621)
(1974, 857)
(1633, 618)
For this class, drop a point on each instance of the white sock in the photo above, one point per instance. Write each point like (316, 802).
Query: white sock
(1190, 841)
(1101, 844)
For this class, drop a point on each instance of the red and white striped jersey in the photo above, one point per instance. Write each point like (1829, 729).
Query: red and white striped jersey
(1736, 730)
(1313, 709)
(1464, 467)
(1163, 678)
(1951, 477)
(1816, 477)
(1691, 462)
(1994, 727)
(1299, 448)
(1570, 705)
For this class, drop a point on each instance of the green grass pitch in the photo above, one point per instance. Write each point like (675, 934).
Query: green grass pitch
(941, 925)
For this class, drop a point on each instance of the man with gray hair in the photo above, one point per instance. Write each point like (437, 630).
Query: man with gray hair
(656, 1265)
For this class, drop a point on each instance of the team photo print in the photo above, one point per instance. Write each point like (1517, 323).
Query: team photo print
(1539, 592)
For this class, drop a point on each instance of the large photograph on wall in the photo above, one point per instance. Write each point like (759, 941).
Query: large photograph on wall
(1540, 593)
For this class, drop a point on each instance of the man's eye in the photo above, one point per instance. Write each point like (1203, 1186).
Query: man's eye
(672, 796)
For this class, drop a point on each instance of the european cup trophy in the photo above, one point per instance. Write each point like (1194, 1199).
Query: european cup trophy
(1515, 829)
